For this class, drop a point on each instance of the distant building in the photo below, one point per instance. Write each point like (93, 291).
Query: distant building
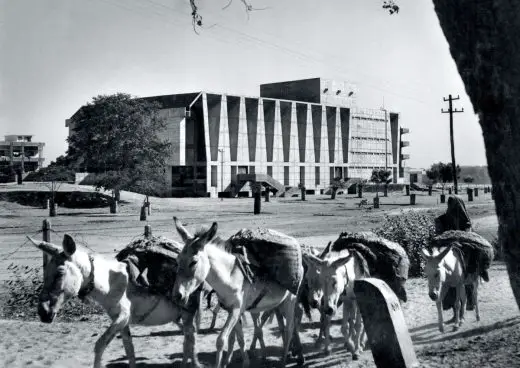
(304, 132)
(19, 152)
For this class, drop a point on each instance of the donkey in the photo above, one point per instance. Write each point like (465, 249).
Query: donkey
(309, 297)
(204, 258)
(445, 269)
(72, 271)
(337, 272)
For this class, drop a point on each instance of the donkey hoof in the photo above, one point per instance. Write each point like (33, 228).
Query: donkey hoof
(355, 356)
(455, 328)
(441, 329)
(326, 352)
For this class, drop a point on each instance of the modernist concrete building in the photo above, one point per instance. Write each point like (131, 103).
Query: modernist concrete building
(21, 153)
(298, 132)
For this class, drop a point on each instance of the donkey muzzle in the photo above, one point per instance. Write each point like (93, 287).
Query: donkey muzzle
(433, 295)
(314, 303)
(46, 316)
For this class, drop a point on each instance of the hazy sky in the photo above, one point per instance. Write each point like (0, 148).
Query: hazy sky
(55, 55)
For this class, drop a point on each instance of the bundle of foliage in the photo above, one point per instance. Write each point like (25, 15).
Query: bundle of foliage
(413, 231)
(119, 138)
(22, 292)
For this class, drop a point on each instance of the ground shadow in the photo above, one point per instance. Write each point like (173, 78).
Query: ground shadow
(510, 322)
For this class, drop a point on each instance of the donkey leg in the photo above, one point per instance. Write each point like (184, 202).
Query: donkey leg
(101, 344)
(231, 345)
(189, 344)
(475, 300)
(347, 326)
(457, 307)
(223, 337)
(214, 319)
(358, 327)
(297, 344)
(321, 334)
(439, 315)
(463, 302)
(129, 346)
(289, 309)
(240, 337)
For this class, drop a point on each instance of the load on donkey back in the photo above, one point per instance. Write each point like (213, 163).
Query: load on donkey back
(454, 228)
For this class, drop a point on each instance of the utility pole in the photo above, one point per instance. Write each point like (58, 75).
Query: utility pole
(451, 111)
(221, 150)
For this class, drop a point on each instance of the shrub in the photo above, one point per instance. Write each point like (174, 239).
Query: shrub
(22, 292)
(413, 231)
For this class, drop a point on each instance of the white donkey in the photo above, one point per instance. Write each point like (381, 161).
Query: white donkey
(204, 258)
(445, 269)
(72, 272)
(337, 272)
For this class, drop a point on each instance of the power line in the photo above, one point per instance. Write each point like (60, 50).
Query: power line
(301, 55)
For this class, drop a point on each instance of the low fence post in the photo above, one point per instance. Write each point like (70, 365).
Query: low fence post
(46, 231)
(147, 231)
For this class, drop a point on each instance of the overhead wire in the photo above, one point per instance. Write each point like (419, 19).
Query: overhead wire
(299, 54)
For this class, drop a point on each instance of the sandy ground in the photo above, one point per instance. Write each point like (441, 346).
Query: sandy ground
(493, 342)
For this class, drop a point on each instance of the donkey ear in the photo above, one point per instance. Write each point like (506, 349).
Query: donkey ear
(442, 254)
(425, 254)
(311, 260)
(183, 232)
(325, 250)
(45, 247)
(210, 234)
(69, 245)
(341, 261)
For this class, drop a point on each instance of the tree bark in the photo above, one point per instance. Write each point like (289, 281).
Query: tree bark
(484, 42)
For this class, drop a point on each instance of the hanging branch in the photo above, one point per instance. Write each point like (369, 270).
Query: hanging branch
(391, 6)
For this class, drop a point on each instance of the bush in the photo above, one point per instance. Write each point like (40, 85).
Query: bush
(22, 292)
(413, 231)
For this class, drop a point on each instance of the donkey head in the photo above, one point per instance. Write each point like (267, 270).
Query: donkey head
(62, 277)
(315, 291)
(332, 276)
(435, 270)
(312, 278)
(193, 262)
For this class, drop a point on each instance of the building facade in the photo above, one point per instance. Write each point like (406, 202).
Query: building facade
(19, 152)
(304, 132)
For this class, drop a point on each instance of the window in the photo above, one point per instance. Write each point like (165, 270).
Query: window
(286, 175)
(270, 171)
(331, 174)
(317, 175)
(214, 176)
(345, 173)
(302, 175)
(251, 169)
(242, 170)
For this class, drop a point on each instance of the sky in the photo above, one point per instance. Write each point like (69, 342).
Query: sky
(55, 55)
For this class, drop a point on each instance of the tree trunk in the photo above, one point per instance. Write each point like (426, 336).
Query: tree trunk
(333, 194)
(484, 42)
(52, 207)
